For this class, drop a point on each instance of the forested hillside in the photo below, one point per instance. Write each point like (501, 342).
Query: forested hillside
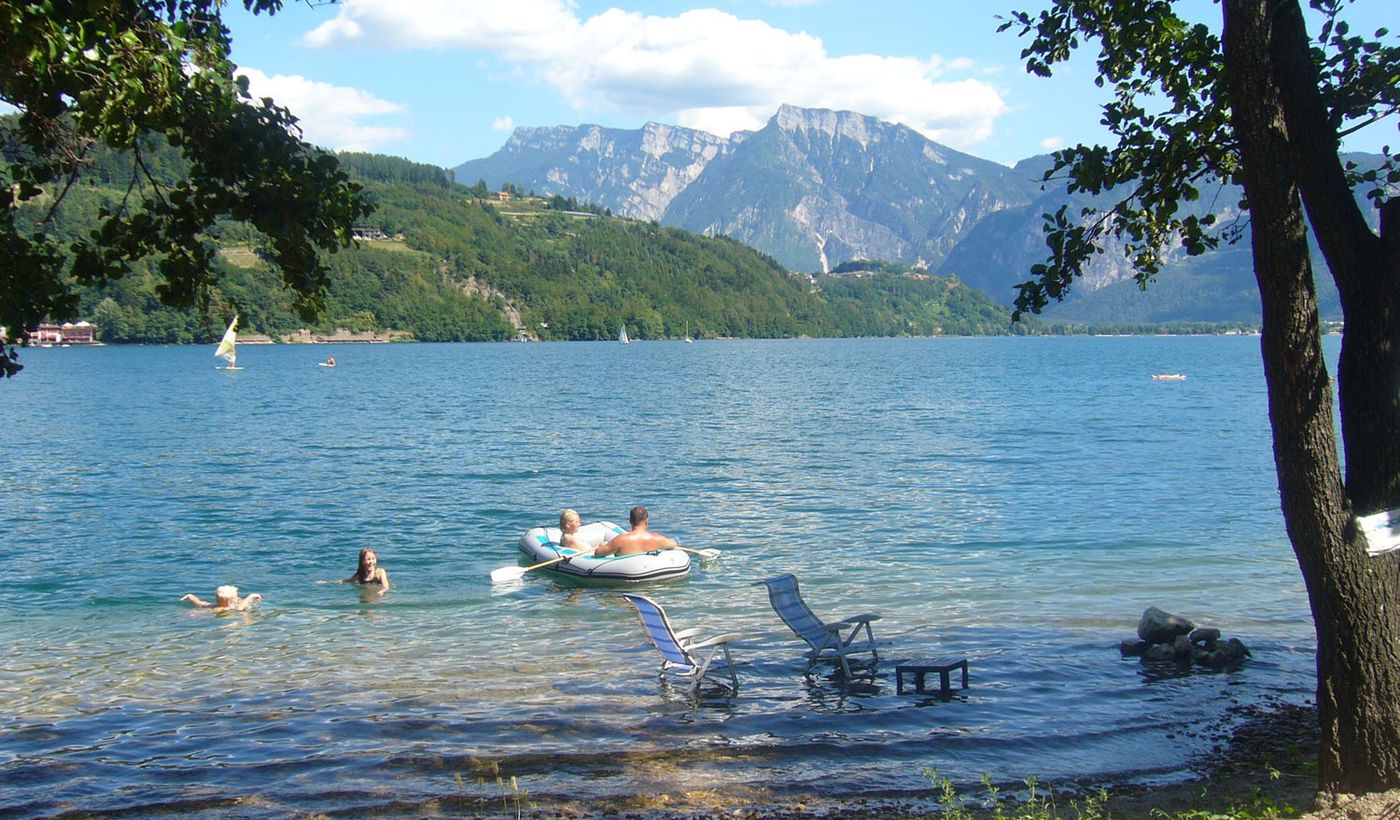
(449, 265)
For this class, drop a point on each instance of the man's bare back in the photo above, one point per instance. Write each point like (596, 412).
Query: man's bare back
(639, 539)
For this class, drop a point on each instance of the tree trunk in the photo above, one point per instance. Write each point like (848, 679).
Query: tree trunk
(1353, 597)
(1367, 276)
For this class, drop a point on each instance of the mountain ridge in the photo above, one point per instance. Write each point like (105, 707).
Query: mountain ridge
(813, 187)
(816, 188)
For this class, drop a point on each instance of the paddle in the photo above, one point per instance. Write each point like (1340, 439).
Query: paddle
(504, 574)
(708, 554)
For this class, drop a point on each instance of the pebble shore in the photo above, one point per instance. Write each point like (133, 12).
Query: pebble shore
(1267, 759)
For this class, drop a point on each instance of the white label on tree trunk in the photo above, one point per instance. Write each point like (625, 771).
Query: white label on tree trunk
(1382, 531)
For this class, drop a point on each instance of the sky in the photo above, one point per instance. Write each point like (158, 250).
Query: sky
(446, 81)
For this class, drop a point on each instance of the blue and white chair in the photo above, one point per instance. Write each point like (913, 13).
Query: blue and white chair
(680, 650)
(828, 641)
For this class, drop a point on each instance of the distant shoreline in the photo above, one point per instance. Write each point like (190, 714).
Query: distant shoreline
(402, 336)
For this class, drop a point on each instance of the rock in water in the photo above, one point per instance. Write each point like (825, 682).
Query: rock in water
(1157, 626)
(1132, 649)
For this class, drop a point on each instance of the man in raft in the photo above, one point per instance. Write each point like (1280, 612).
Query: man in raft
(639, 539)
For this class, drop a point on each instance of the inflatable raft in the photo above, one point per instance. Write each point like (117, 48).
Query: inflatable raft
(542, 544)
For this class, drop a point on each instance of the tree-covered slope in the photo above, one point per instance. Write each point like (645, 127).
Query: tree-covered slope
(455, 267)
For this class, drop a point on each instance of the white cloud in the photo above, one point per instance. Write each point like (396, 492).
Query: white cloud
(725, 119)
(1052, 143)
(330, 116)
(703, 68)
(524, 30)
(503, 124)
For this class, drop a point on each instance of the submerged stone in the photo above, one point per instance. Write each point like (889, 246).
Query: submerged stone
(1132, 649)
(1157, 626)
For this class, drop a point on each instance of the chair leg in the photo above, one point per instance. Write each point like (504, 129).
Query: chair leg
(850, 640)
(845, 666)
(704, 665)
(729, 667)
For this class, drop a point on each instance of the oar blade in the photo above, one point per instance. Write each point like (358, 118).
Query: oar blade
(708, 554)
(504, 574)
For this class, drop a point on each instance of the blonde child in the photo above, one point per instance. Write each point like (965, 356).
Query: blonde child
(568, 526)
(225, 599)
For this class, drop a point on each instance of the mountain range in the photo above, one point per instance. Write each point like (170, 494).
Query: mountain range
(816, 188)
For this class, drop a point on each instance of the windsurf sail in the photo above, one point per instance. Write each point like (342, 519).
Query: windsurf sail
(226, 349)
(622, 335)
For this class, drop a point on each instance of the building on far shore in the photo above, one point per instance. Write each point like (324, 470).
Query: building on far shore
(68, 333)
(368, 233)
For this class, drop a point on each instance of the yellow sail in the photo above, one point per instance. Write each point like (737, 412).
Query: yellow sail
(226, 345)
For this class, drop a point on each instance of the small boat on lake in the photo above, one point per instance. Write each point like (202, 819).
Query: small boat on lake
(228, 346)
(1168, 377)
(542, 544)
(622, 336)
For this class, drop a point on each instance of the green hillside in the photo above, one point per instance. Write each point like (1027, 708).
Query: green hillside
(453, 266)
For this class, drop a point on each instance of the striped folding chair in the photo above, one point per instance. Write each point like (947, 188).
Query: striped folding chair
(680, 651)
(828, 641)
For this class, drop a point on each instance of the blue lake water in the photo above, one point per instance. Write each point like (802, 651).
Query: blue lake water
(1016, 501)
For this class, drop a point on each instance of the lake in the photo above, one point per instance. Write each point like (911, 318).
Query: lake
(1018, 501)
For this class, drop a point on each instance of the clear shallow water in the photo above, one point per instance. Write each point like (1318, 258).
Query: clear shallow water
(1019, 501)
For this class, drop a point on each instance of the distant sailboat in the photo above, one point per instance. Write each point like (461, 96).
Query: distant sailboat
(227, 349)
(688, 340)
(622, 336)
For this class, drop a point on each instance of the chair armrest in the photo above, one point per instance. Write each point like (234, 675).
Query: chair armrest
(682, 634)
(858, 619)
(725, 638)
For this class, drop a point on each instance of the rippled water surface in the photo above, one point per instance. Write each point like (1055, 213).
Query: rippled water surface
(1017, 501)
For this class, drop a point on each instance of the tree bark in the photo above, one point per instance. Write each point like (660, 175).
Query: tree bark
(1353, 596)
(1367, 277)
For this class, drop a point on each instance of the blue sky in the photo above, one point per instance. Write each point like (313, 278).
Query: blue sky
(445, 81)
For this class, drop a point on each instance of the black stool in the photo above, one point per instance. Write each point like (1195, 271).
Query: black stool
(943, 666)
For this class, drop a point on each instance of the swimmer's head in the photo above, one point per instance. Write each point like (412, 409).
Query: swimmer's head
(226, 595)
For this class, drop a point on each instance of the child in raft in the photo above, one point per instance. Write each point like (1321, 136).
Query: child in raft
(568, 528)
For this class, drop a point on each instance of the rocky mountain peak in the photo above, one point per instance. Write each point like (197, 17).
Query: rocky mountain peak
(832, 124)
(814, 187)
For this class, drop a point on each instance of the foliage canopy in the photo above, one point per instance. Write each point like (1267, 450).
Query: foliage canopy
(115, 73)
(1171, 122)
